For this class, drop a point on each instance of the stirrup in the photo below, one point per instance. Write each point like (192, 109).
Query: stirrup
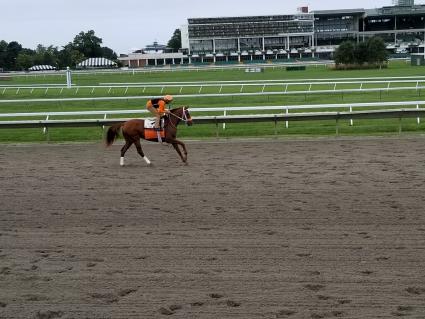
(157, 129)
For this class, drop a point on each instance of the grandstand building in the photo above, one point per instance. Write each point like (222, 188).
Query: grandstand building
(305, 35)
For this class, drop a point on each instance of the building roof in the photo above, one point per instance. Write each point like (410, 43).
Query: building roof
(96, 63)
(41, 68)
(339, 11)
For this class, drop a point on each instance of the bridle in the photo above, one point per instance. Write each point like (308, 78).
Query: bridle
(184, 117)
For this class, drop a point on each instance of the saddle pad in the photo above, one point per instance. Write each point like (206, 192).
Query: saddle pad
(151, 134)
(151, 123)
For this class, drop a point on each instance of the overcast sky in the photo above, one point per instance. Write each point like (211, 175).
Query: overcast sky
(129, 24)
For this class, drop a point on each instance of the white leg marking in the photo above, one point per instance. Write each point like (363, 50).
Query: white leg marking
(147, 160)
(122, 161)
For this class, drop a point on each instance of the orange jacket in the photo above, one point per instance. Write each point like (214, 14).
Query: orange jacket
(158, 104)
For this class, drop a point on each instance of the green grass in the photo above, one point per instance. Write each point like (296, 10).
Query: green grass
(395, 69)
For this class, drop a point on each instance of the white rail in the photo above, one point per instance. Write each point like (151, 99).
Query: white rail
(282, 108)
(261, 83)
(260, 93)
(337, 116)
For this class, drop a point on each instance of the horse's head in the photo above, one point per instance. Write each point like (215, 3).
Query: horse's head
(186, 116)
(182, 113)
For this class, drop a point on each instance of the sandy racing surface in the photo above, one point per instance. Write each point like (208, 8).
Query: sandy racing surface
(325, 228)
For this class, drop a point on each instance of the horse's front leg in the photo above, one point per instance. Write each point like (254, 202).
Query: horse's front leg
(183, 155)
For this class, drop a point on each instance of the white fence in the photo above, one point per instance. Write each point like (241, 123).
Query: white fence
(284, 115)
(337, 116)
(262, 92)
(225, 110)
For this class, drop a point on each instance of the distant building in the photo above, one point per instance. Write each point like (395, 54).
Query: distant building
(155, 48)
(313, 34)
(305, 35)
(403, 2)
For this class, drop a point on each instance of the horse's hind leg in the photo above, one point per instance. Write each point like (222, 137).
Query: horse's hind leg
(123, 150)
(140, 151)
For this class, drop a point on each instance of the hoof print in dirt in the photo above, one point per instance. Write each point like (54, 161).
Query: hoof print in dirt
(48, 314)
(314, 287)
(285, 313)
(107, 298)
(197, 304)
(175, 307)
(126, 292)
(415, 291)
(231, 303)
(165, 311)
(215, 296)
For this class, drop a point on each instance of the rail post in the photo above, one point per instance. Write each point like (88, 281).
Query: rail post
(337, 124)
(68, 77)
(216, 127)
(287, 122)
(275, 125)
(418, 119)
(45, 128)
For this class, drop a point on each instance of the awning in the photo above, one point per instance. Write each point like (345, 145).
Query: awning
(41, 68)
(96, 63)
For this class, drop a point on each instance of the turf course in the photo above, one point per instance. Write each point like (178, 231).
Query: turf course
(395, 69)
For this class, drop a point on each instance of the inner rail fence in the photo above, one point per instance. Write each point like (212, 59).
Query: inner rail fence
(227, 110)
(204, 89)
(222, 119)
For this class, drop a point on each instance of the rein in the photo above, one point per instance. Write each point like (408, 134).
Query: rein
(181, 118)
(184, 118)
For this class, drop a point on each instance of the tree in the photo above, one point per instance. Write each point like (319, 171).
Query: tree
(12, 51)
(344, 54)
(3, 49)
(46, 56)
(109, 53)
(176, 40)
(372, 52)
(361, 53)
(378, 53)
(88, 44)
(24, 61)
(69, 56)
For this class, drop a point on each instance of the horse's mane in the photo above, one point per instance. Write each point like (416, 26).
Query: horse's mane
(176, 109)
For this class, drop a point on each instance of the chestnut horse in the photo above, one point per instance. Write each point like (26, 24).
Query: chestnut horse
(133, 131)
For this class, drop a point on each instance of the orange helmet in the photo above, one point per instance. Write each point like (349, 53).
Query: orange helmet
(168, 98)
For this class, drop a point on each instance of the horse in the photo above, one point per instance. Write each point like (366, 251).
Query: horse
(133, 130)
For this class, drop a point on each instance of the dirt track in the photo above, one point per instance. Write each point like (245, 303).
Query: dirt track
(326, 228)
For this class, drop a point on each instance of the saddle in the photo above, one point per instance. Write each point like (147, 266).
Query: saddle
(151, 134)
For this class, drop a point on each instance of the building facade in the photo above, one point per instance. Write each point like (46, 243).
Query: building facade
(305, 35)
(246, 39)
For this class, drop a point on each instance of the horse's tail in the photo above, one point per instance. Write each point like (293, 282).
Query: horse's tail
(112, 133)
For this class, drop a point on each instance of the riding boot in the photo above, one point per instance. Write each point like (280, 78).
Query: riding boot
(158, 133)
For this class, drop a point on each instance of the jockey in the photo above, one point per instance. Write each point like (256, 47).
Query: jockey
(158, 108)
